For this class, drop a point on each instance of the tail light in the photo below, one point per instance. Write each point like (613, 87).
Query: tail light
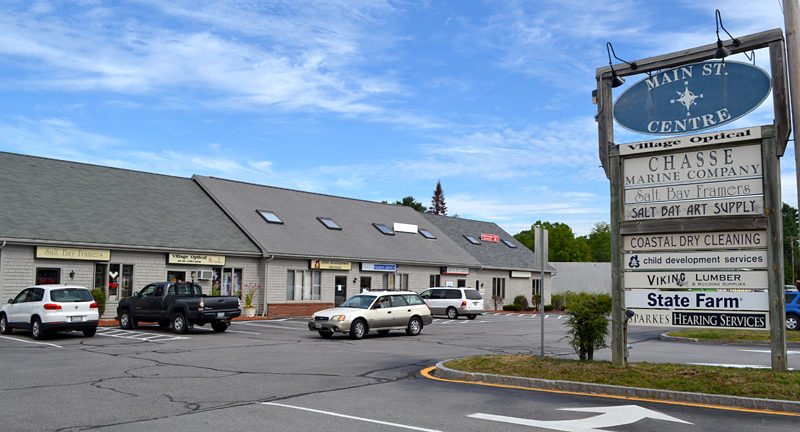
(52, 306)
(93, 305)
(240, 304)
(464, 303)
(427, 306)
(202, 305)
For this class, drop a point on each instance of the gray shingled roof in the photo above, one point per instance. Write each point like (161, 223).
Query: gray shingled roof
(490, 254)
(302, 235)
(75, 203)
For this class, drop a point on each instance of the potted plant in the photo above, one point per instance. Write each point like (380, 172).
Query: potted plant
(249, 310)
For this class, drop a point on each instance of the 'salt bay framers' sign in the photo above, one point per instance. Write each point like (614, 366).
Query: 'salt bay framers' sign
(692, 98)
(73, 253)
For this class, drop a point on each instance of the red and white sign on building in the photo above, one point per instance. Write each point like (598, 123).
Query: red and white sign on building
(490, 237)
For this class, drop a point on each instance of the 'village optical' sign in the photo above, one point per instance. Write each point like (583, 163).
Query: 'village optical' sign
(692, 98)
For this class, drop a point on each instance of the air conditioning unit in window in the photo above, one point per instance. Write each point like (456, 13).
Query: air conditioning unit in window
(206, 275)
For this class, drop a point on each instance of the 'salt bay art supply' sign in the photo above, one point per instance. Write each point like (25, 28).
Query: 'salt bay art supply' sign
(691, 241)
(748, 259)
(725, 300)
(692, 98)
(708, 182)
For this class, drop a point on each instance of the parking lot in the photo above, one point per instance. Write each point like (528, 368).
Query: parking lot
(273, 372)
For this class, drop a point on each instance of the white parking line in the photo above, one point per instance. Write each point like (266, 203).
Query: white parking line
(140, 336)
(352, 417)
(274, 326)
(767, 351)
(240, 331)
(31, 342)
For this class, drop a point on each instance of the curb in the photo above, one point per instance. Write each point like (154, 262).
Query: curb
(628, 392)
(668, 338)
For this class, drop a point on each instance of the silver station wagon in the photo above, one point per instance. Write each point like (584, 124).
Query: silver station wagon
(381, 311)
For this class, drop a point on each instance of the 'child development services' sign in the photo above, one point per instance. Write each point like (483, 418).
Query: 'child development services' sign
(692, 98)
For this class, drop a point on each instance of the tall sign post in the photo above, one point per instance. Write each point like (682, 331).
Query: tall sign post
(540, 236)
(696, 223)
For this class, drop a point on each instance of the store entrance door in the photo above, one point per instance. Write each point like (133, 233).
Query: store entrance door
(340, 290)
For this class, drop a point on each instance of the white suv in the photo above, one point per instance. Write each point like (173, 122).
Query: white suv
(45, 308)
(454, 302)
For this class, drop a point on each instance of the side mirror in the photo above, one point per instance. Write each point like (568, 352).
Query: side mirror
(136, 294)
(11, 300)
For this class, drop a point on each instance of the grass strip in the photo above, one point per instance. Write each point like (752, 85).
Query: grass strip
(754, 383)
(733, 335)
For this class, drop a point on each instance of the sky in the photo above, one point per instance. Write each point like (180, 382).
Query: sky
(368, 99)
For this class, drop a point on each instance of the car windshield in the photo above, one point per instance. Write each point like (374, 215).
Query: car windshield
(359, 301)
(70, 295)
(473, 294)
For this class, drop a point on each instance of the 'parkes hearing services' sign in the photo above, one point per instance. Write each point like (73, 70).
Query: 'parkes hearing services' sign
(692, 98)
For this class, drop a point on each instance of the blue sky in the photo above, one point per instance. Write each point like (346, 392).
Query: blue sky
(367, 99)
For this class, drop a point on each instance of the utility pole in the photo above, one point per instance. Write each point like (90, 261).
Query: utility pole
(791, 17)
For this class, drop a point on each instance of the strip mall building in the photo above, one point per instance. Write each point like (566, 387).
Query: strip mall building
(297, 252)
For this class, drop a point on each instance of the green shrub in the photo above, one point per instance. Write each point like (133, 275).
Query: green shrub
(100, 297)
(549, 308)
(536, 301)
(521, 301)
(512, 307)
(557, 300)
(588, 322)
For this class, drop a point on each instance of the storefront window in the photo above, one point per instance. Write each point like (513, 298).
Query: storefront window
(176, 276)
(436, 280)
(303, 284)
(366, 283)
(48, 276)
(100, 276)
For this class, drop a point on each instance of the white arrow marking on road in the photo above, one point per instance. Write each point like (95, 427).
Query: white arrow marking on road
(611, 416)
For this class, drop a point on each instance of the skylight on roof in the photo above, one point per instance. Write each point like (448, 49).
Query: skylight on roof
(270, 217)
(472, 239)
(509, 244)
(383, 229)
(427, 234)
(329, 223)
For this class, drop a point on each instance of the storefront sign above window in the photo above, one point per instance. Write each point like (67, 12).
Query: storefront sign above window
(692, 98)
(330, 265)
(490, 237)
(182, 258)
(378, 267)
(73, 254)
(521, 274)
(455, 270)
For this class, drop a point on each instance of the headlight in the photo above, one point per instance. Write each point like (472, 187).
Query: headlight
(337, 318)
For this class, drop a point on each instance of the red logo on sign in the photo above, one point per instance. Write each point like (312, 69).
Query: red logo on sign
(490, 237)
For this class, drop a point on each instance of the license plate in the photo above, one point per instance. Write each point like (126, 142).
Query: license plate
(317, 325)
(75, 318)
(220, 314)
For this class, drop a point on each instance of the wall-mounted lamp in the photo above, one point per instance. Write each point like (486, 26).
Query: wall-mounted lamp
(72, 274)
(355, 280)
(723, 51)
(616, 80)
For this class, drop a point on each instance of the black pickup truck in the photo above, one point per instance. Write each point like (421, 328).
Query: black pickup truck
(179, 305)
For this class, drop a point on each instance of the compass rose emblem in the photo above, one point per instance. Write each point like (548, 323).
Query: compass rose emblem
(686, 98)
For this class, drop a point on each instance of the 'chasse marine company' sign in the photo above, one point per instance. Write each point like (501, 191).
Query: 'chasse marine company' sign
(692, 98)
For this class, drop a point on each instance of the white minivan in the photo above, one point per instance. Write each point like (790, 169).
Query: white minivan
(454, 302)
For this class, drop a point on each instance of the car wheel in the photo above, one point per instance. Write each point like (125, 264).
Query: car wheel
(414, 326)
(163, 323)
(4, 328)
(358, 329)
(791, 322)
(452, 313)
(36, 329)
(179, 323)
(471, 316)
(219, 326)
(383, 332)
(326, 334)
(89, 332)
(125, 321)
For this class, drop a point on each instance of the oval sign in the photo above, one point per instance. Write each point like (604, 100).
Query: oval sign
(692, 98)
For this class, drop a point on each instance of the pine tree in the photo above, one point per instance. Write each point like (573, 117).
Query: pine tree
(437, 203)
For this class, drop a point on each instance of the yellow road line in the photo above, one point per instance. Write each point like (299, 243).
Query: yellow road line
(427, 374)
